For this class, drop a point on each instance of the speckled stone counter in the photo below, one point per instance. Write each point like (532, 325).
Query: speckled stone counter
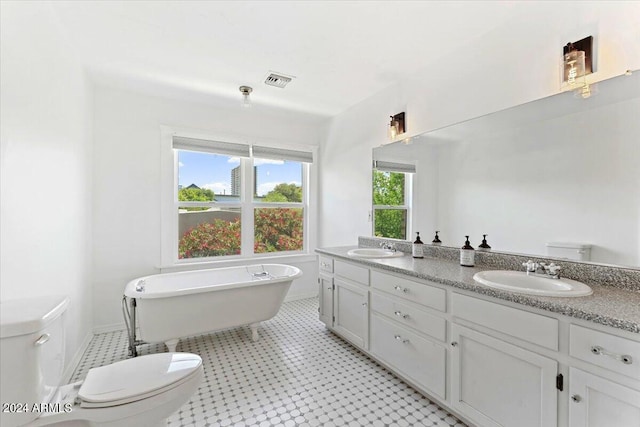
(608, 305)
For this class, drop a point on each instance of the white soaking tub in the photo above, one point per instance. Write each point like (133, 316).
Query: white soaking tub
(167, 307)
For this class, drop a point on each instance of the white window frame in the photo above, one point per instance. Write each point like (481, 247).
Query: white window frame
(169, 202)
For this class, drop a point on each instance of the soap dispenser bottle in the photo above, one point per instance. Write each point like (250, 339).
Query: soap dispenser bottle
(436, 240)
(416, 249)
(484, 246)
(467, 254)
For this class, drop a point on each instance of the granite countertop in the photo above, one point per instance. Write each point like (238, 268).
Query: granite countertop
(610, 306)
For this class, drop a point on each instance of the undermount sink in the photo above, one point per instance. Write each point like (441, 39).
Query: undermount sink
(373, 253)
(522, 283)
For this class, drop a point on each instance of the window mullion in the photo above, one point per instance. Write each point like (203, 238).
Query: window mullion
(246, 171)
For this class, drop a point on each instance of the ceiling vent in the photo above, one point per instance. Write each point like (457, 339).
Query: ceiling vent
(277, 80)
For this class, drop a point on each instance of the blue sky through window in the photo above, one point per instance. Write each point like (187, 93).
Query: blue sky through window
(213, 171)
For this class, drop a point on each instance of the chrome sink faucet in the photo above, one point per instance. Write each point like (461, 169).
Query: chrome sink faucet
(542, 269)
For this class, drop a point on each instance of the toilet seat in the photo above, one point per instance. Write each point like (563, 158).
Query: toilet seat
(136, 379)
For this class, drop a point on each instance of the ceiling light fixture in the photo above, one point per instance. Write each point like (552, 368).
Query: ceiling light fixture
(246, 100)
(396, 126)
(577, 62)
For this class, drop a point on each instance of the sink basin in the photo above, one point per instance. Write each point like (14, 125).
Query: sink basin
(373, 253)
(520, 282)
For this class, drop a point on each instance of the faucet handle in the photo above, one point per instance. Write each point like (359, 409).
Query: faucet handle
(530, 266)
(553, 269)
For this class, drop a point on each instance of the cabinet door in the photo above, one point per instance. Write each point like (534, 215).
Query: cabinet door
(597, 402)
(498, 384)
(351, 312)
(325, 295)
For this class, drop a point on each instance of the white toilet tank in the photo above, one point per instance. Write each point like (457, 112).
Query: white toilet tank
(569, 250)
(31, 353)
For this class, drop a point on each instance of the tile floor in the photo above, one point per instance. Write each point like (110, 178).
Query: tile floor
(297, 374)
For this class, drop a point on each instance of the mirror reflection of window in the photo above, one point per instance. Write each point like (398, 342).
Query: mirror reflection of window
(391, 199)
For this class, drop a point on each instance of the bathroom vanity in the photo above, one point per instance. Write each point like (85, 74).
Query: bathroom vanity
(494, 358)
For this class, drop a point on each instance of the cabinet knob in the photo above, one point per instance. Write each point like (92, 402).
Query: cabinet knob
(364, 304)
(454, 344)
(401, 289)
(576, 398)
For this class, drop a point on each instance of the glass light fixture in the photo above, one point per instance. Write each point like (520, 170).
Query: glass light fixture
(576, 64)
(396, 126)
(246, 100)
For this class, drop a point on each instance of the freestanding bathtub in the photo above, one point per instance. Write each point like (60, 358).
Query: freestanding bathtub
(167, 307)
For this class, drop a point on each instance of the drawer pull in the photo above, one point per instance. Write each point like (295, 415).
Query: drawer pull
(364, 304)
(399, 314)
(624, 358)
(576, 398)
(403, 340)
(401, 289)
(454, 344)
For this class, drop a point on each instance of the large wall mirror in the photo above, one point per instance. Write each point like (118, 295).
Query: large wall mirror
(559, 169)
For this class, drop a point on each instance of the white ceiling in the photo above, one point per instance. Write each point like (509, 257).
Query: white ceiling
(340, 52)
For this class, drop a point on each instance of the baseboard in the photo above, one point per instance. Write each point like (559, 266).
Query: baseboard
(71, 367)
(109, 328)
(296, 297)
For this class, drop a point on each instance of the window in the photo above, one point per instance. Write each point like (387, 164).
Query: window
(391, 199)
(236, 200)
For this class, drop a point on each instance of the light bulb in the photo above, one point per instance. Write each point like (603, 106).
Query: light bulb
(246, 99)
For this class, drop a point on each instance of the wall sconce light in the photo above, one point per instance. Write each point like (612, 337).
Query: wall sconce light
(396, 126)
(246, 100)
(577, 62)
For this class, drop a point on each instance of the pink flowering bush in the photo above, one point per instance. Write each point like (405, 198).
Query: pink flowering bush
(276, 229)
(207, 239)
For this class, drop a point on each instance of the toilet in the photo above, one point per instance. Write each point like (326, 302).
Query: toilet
(143, 391)
(569, 250)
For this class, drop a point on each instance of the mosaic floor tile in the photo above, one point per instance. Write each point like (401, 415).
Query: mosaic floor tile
(297, 374)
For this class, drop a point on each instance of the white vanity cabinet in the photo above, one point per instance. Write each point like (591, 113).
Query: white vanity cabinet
(491, 362)
(348, 293)
(601, 400)
(325, 297)
(494, 382)
(325, 290)
(351, 312)
(407, 333)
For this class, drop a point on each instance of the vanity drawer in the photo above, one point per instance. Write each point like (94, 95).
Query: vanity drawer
(409, 315)
(326, 264)
(410, 290)
(352, 272)
(535, 328)
(418, 359)
(607, 351)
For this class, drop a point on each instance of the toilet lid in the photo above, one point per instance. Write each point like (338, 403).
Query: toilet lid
(138, 378)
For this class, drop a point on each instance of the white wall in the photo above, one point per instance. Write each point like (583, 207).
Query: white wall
(45, 167)
(573, 178)
(511, 65)
(127, 179)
